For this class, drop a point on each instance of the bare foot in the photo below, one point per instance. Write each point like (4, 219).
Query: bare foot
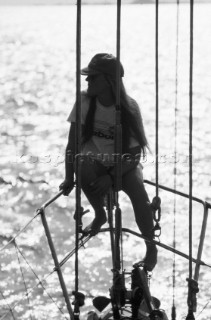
(94, 227)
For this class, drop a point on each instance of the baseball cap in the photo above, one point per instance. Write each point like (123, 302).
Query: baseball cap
(103, 63)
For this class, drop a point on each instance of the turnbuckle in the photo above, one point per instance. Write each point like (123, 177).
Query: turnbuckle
(156, 208)
(193, 290)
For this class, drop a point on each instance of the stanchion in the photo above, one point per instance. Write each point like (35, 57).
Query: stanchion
(56, 262)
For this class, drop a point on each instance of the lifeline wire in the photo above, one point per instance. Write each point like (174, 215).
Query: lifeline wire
(23, 278)
(8, 306)
(205, 306)
(40, 282)
(175, 161)
(13, 240)
(70, 254)
(19, 232)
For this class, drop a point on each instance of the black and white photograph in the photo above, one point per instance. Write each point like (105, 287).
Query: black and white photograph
(105, 166)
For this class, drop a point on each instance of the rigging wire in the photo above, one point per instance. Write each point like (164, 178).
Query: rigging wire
(191, 136)
(156, 202)
(78, 149)
(70, 254)
(40, 282)
(118, 102)
(23, 278)
(190, 293)
(175, 163)
(13, 240)
(8, 306)
(118, 144)
(205, 306)
(19, 232)
(156, 95)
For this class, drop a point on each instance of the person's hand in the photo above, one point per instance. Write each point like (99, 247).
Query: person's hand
(66, 186)
(101, 185)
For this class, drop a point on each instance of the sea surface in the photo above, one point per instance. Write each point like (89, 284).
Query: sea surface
(37, 91)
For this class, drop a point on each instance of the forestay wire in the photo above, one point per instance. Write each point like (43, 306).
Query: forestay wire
(78, 152)
(173, 313)
(118, 145)
(191, 136)
(156, 202)
(190, 288)
(156, 96)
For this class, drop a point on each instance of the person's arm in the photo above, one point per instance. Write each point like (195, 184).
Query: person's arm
(129, 161)
(70, 154)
